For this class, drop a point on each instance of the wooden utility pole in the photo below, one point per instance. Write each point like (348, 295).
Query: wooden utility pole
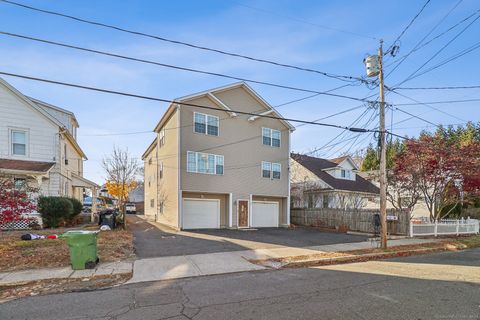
(383, 155)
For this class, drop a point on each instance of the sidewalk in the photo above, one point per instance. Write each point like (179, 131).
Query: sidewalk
(167, 268)
(175, 267)
(25, 276)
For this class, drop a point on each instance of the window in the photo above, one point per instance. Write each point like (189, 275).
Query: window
(271, 137)
(160, 171)
(343, 173)
(276, 170)
(205, 124)
(150, 161)
(271, 170)
(162, 137)
(325, 201)
(65, 153)
(207, 163)
(152, 203)
(266, 169)
(19, 143)
(19, 183)
(161, 207)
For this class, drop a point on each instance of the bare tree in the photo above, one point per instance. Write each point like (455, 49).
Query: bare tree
(122, 170)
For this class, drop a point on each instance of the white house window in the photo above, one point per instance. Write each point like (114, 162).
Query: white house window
(19, 142)
(346, 174)
(266, 169)
(19, 183)
(271, 170)
(343, 173)
(207, 163)
(205, 124)
(271, 137)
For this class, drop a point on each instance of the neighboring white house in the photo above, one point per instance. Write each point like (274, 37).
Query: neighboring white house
(38, 145)
(334, 183)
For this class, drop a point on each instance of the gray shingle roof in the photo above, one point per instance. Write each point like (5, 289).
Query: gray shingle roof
(317, 166)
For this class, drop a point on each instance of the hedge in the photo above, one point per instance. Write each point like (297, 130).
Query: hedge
(55, 209)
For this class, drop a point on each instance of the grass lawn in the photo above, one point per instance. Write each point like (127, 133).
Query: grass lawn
(17, 254)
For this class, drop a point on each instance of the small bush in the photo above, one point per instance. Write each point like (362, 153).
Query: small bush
(77, 207)
(54, 210)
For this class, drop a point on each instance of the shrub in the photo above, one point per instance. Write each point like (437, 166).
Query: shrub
(54, 210)
(77, 207)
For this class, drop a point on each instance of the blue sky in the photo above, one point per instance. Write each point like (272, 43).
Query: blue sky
(284, 31)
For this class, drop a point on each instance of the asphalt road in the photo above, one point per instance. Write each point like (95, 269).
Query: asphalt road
(150, 241)
(439, 286)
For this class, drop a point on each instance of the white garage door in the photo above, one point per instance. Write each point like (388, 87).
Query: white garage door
(264, 214)
(201, 214)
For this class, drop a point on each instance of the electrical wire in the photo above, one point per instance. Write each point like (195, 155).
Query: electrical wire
(419, 43)
(132, 95)
(177, 42)
(411, 76)
(305, 21)
(438, 88)
(175, 67)
(408, 25)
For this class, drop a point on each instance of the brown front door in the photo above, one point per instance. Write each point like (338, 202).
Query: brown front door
(242, 213)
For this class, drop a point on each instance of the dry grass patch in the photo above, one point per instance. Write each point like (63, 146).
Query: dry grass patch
(17, 254)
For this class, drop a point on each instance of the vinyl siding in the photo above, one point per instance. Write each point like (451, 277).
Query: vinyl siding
(167, 187)
(240, 142)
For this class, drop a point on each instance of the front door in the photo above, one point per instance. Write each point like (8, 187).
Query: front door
(242, 213)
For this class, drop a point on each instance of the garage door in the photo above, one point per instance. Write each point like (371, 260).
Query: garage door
(264, 214)
(201, 214)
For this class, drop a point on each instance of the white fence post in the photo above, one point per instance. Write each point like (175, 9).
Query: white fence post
(435, 228)
(458, 225)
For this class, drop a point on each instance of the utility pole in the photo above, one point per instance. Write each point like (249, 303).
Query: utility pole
(383, 154)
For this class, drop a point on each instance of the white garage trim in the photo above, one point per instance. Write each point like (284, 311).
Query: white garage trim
(187, 224)
(268, 219)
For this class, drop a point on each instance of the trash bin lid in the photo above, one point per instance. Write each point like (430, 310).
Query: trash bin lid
(78, 233)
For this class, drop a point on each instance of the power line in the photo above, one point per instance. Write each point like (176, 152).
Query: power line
(226, 118)
(438, 88)
(450, 59)
(132, 95)
(305, 21)
(415, 116)
(437, 102)
(417, 46)
(177, 42)
(411, 76)
(427, 105)
(176, 67)
(408, 25)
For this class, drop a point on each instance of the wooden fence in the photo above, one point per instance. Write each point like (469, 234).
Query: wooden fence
(353, 220)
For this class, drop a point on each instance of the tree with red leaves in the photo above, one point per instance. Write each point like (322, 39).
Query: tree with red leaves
(15, 202)
(443, 170)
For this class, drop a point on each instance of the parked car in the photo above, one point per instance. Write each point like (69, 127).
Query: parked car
(130, 208)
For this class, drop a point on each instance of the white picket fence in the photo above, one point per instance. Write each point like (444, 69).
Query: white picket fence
(444, 227)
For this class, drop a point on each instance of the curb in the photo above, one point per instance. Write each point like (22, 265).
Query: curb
(275, 264)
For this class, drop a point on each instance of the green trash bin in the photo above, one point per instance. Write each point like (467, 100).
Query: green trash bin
(83, 248)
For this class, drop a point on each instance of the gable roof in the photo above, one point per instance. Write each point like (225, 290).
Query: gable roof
(317, 167)
(211, 93)
(44, 104)
(30, 103)
(339, 160)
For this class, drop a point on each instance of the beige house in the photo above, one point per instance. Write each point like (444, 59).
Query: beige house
(330, 183)
(38, 145)
(216, 168)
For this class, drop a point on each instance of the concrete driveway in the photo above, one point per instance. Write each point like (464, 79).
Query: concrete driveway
(159, 241)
